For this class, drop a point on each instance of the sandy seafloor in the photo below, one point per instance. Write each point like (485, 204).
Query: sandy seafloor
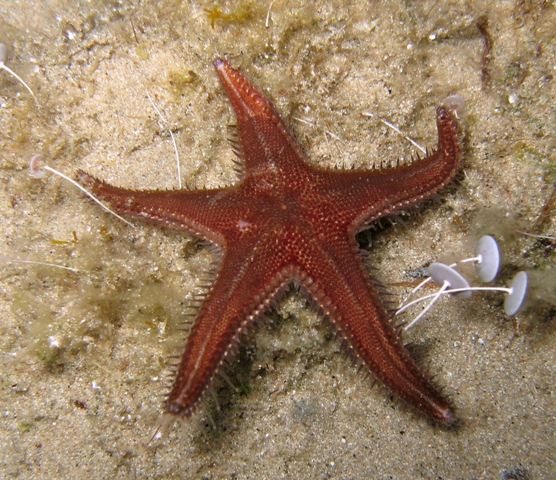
(83, 354)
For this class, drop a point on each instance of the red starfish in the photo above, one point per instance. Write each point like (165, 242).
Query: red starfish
(287, 222)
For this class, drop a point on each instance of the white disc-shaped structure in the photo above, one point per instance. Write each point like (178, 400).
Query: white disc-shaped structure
(489, 263)
(514, 299)
(441, 273)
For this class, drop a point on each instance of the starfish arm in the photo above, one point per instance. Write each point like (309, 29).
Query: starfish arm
(363, 196)
(348, 299)
(263, 141)
(204, 213)
(246, 284)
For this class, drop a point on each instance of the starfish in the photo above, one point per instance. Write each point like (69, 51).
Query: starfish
(288, 223)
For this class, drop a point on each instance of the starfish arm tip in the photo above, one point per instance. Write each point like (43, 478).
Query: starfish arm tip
(446, 416)
(219, 62)
(456, 103)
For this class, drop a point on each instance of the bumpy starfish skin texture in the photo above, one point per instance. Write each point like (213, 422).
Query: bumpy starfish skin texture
(287, 222)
